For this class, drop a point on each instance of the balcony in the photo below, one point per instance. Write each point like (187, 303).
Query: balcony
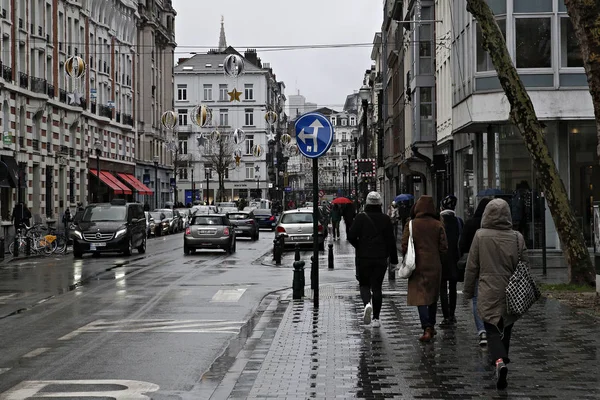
(38, 85)
(71, 152)
(23, 80)
(35, 144)
(51, 91)
(63, 149)
(105, 111)
(49, 147)
(7, 73)
(127, 119)
(93, 108)
(62, 96)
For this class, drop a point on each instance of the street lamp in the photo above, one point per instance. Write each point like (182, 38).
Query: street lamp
(156, 159)
(98, 149)
(344, 179)
(356, 173)
(208, 173)
(365, 93)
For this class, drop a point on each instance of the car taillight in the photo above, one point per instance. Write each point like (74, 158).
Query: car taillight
(188, 231)
(226, 231)
(280, 229)
(320, 228)
(272, 218)
(251, 222)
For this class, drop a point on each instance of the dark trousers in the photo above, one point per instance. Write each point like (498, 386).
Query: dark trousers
(448, 298)
(336, 228)
(427, 315)
(498, 338)
(370, 279)
(395, 225)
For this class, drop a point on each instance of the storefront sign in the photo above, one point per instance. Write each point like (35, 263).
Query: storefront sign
(7, 138)
(146, 179)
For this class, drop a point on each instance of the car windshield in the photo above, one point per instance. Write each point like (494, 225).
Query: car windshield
(297, 218)
(104, 213)
(238, 216)
(200, 210)
(155, 215)
(207, 220)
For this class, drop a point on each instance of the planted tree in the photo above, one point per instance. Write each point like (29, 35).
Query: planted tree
(219, 154)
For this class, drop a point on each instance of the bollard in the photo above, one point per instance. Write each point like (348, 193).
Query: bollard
(16, 247)
(2, 250)
(313, 272)
(330, 256)
(277, 250)
(298, 283)
(297, 252)
(28, 246)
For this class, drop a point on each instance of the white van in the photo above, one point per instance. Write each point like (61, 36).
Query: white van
(262, 204)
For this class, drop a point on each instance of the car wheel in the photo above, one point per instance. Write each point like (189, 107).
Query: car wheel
(77, 254)
(186, 250)
(142, 248)
(229, 248)
(129, 248)
(234, 245)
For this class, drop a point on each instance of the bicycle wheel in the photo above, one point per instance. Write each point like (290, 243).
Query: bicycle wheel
(61, 244)
(11, 247)
(46, 246)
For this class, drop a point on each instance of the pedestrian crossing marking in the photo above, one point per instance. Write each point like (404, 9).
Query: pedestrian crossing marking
(228, 295)
(3, 370)
(36, 352)
(113, 389)
(159, 326)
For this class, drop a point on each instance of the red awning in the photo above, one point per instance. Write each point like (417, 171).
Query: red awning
(136, 184)
(111, 182)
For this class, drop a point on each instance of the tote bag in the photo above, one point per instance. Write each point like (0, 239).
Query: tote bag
(521, 291)
(408, 262)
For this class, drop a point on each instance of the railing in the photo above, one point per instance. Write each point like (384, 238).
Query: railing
(127, 119)
(23, 80)
(38, 85)
(62, 96)
(93, 108)
(35, 144)
(63, 149)
(105, 111)
(7, 73)
(83, 103)
(51, 91)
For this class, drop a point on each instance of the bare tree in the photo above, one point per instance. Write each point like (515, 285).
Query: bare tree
(523, 115)
(219, 153)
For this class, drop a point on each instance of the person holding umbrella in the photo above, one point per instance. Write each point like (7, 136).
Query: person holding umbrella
(346, 210)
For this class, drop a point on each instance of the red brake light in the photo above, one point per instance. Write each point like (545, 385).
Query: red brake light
(320, 228)
(280, 229)
(226, 231)
(188, 231)
(272, 218)
(251, 222)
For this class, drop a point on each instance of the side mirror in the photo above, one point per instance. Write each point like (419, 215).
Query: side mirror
(163, 216)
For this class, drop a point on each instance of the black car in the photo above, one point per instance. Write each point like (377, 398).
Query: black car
(265, 218)
(245, 224)
(110, 227)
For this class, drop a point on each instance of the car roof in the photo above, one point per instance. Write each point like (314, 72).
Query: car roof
(298, 210)
(210, 215)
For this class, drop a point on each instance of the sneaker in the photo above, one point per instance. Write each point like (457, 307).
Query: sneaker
(501, 373)
(376, 323)
(367, 314)
(483, 339)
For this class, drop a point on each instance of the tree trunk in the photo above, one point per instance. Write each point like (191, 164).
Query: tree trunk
(523, 115)
(585, 16)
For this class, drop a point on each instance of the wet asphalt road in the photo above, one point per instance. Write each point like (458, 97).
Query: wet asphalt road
(151, 322)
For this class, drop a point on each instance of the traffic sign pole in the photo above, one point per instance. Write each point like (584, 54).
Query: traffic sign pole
(314, 272)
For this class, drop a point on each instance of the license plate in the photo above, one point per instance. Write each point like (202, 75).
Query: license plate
(300, 238)
(93, 246)
(205, 232)
(239, 231)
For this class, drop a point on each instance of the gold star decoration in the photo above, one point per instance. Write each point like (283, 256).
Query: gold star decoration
(234, 95)
(237, 160)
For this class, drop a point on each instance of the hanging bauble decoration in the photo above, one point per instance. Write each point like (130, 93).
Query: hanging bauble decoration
(237, 156)
(75, 67)
(233, 65)
(239, 136)
(215, 136)
(286, 139)
(169, 119)
(271, 117)
(292, 150)
(201, 115)
(257, 150)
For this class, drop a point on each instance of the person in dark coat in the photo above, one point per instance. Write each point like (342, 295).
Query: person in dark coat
(349, 214)
(146, 206)
(466, 239)
(430, 244)
(372, 235)
(336, 217)
(453, 226)
(20, 215)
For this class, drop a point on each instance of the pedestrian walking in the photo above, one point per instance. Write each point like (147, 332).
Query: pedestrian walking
(466, 239)
(372, 237)
(493, 257)
(430, 244)
(348, 215)
(394, 215)
(66, 219)
(336, 218)
(20, 215)
(453, 226)
(146, 206)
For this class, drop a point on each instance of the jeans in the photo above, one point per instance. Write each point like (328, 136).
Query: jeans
(336, 228)
(370, 279)
(427, 315)
(448, 300)
(478, 322)
(498, 338)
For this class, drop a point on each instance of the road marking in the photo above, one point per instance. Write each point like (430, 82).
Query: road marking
(228, 295)
(7, 297)
(36, 352)
(158, 326)
(131, 390)
(3, 370)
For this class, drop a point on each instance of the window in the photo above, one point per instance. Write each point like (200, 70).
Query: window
(183, 173)
(249, 170)
(248, 91)
(333, 121)
(426, 110)
(425, 42)
(183, 147)
(352, 121)
(344, 122)
(570, 54)
(249, 143)
(224, 117)
(182, 92)
(183, 116)
(207, 92)
(484, 61)
(533, 42)
(343, 136)
(223, 96)
(249, 117)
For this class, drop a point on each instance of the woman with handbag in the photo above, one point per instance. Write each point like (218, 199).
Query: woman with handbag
(466, 238)
(494, 254)
(430, 243)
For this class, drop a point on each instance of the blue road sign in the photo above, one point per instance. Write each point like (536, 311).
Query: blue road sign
(314, 135)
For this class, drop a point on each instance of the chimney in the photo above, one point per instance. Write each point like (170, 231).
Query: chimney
(251, 56)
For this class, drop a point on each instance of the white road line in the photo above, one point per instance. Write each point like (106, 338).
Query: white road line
(228, 295)
(76, 332)
(3, 370)
(7, 296)
(36, 352)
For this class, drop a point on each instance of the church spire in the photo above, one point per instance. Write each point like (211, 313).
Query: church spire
(222, 40)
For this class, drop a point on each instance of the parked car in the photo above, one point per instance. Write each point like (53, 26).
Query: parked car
(213, 231)
(265, 218)
(172, 218)
(245, 224)
(110, 227)
(296, 227)
(184, 214)
(161, 223)
(150, 224)
(225, 204)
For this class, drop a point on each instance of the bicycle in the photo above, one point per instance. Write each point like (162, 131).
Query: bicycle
(61, 240)
(45, 245)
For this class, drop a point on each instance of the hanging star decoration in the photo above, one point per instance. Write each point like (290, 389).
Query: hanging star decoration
(270, 136)
(201, 141)
(234, 95)
(257, 168)
(238, 159)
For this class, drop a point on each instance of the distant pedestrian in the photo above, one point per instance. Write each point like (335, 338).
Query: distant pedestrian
(430, 244)
(20, 215)
(492, 259)
(66, 219)
(372, 237)
(146, 206)
(453, 226)
(466, 239)
(394, 215)
(349, 214)
(336, 218)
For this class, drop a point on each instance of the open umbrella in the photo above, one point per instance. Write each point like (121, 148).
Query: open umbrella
(341, 200)
(489, 192)
(404, 197)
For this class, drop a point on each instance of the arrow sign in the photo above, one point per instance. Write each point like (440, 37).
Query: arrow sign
(315, 135)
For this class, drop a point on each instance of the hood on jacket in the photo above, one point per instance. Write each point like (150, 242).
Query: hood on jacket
(481, 208)
(497, 215)
(425, 206)
(448, 212)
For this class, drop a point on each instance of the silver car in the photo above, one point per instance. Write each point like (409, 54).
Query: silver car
(296, 227)
(213, 231)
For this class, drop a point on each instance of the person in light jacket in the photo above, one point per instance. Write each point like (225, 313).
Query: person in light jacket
(493, 256)
(424, 283)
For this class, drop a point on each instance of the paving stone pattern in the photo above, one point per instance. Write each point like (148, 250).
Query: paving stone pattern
(327, 353)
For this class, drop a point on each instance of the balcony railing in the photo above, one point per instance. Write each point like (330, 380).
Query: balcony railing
(35, 144)
(38, 85)
(51, 91)
(23, 80)
(127, 119)
(62, 96)
(105, 111)
(93, 108)
(63, 149)
(7, 73)
(49, 147)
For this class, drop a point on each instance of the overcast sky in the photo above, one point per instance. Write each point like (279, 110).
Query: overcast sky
(323, 76)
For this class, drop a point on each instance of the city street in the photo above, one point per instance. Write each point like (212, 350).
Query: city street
(154, 322)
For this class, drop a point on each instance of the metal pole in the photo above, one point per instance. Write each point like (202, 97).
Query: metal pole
(207, 189)
(193, 186)
(543, 214)
(315, 264)
(98, 171)
(156, 185)
(356, 175)
(365, 105)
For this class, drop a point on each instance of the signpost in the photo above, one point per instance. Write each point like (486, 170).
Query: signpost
(314, 135)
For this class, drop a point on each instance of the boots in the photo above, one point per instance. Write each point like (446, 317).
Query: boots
(427, 335)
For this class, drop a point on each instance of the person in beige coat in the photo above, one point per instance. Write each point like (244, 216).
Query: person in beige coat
(424, 283)
(493, 256)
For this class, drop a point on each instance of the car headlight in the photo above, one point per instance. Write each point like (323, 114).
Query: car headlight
(121, 232)
(78, 234)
